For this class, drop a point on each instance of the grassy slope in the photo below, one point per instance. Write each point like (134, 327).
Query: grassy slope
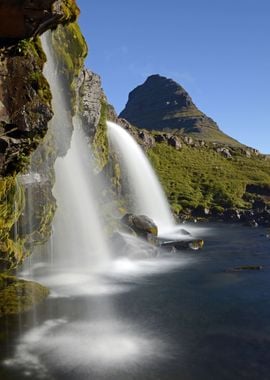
(202, 177)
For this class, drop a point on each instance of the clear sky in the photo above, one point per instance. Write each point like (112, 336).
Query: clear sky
(218, 50)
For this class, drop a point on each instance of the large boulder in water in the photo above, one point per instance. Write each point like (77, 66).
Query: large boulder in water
(141, 224)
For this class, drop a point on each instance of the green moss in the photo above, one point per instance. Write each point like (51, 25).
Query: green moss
(17, 296)
(12, 201)
(100, 144)
(69, 10)
(71, 49)
(195, 177)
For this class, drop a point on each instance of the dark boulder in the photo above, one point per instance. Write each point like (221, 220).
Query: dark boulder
(141, 224)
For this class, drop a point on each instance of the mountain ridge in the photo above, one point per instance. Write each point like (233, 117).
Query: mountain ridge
(162, 104)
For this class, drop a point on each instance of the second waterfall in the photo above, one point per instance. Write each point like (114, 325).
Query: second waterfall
(145, 190)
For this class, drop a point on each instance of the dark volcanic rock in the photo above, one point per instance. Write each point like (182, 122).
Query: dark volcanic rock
(161, 103)
(141, 224)
(27, 18)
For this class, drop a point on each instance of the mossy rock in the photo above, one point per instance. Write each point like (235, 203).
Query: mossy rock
(12, 201)
(100, 145)
(70, 49)
(18, 296)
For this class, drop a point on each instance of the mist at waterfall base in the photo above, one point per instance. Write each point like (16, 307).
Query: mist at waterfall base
(145, 192)
(147, 196)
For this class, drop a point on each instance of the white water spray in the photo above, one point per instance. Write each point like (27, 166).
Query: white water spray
(147, 193)
(78, 236)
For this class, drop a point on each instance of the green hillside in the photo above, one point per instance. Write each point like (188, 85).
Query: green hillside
(201, 177)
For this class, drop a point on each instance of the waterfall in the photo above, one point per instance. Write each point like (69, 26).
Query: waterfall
(78, 237)
(147, 194)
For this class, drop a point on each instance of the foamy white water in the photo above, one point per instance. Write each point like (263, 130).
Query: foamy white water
(78, 238)
(147, 194)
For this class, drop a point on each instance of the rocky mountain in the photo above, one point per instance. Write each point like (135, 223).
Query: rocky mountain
(164, 105)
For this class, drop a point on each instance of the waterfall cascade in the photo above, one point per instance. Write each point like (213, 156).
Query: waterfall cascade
(146, 192)
(78, 238)
(79, 332)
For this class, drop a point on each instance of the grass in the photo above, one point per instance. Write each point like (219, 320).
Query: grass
(194, 177)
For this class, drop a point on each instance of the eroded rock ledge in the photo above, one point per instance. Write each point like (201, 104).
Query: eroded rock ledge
(25, 98)
(22, 19)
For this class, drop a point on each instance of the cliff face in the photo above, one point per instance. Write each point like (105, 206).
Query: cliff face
(162, 104)
(25, 98)
(25, 110)
(22, 19)
(28, 149)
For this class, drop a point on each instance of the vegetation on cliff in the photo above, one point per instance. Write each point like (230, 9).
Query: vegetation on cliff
(27, 206)
(17, 296)
(12, 203)
(70, 49)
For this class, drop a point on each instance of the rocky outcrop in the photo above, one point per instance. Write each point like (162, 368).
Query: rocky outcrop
(27, 18)
(25, 110)
(17, 296)
(90, 96)
(162, 104)
(25, 98)
(141, 224)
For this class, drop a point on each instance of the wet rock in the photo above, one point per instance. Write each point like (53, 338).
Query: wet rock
(181, 244)
(232, 215)
(246, 268)
(141, 224)
(260, 189)
(201, 211)
(18, 296)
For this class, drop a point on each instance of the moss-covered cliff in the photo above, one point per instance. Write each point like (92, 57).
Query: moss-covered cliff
(27, 205)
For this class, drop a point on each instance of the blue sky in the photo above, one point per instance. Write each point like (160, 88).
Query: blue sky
(218, 50)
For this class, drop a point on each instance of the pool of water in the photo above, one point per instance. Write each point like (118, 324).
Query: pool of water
(184, 316)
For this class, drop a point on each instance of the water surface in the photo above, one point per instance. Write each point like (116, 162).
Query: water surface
(173, 317)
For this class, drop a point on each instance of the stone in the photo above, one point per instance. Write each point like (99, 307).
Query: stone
(141, 224)
(148, 140)
(225, 152)
(175, 142)
(27, 18)
(18, 296)
(90, 95)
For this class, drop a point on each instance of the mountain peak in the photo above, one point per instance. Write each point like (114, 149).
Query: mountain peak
(161, 103)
